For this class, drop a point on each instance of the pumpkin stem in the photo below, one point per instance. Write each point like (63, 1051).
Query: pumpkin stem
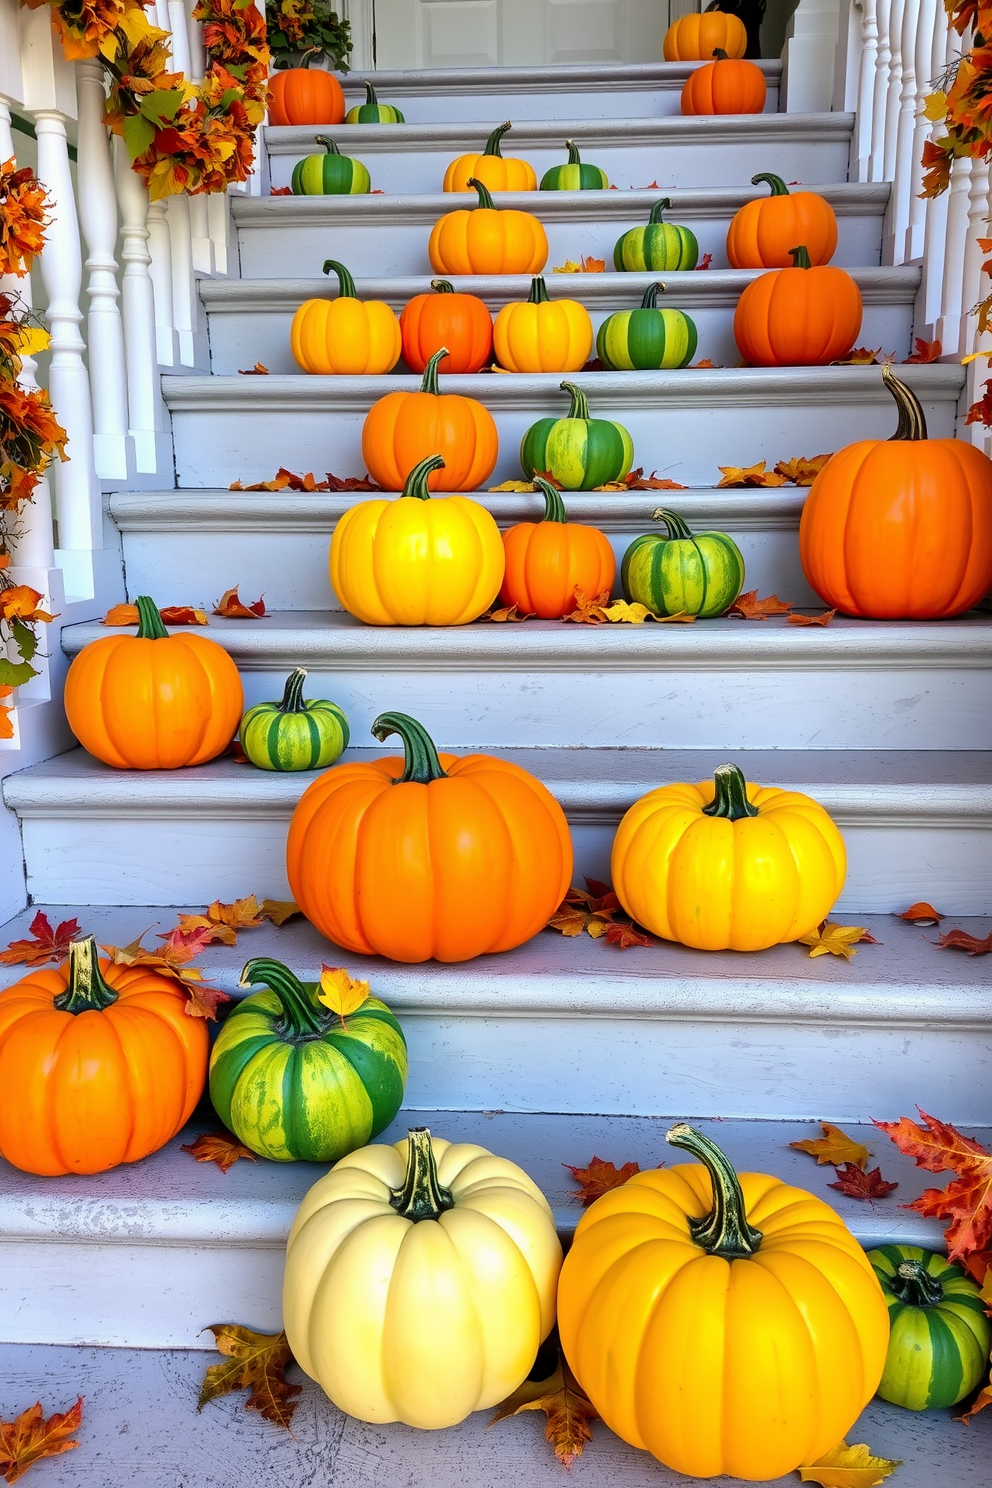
(913, 1283)
(649, 300)
(660, 206)
(300, 1018)
(778, 186)
(720, 54)
(554, 507)
(422, 1196)
(730, 800)
(346, 285)
(538, 291)
(429, 381)
(150, 625)
(724, 1231)
(492, 143)
(370, 94)
(86, 990)
(329, 146)
(912, 419)
(674, 525)
(800, 257)
(580, 403)
(485, 195)
(421, 764)
(292, 698)
(416, 481)
(573, 153)
(442, 286)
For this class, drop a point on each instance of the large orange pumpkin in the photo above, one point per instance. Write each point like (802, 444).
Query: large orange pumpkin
(727, 85)
(459, 322)
(302, 95)
(693, 38)
(547, 561)
(427, 856)
(762, 234)
(798, 317)
(152, 701)
(487, 240)
(900, 528)
(404, 428)
(99, 1065)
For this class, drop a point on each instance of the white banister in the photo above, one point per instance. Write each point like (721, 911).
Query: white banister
(160, 249)
(861, 148)
(140, 329)
(184, 298)
(948, 329)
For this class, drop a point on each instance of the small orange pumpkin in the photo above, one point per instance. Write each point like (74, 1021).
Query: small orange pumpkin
(461, 322)
(303, 95)
(762, 233)
(728, 85)
(547, 561)
(404, 428)
(542, 335)
(693, 38)
(497, 171)
(797, 317)
(487, 240)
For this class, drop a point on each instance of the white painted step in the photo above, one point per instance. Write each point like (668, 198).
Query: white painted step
(280, 236)
(249, 320)
(718, 150)
(684, 423)
(918, 825)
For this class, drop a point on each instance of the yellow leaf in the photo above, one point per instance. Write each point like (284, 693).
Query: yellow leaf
(568, 267)
(749, 475)
(935, 106)
(257, 1363)
(514, 486)
(834, 940)
(632, 614)
(340, 992)
(835, 1146)
(848, 1467)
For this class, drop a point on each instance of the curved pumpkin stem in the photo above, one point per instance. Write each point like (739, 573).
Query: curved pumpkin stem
(328, 144)
(292, 698)
(913, 1284)
(800, 257)
(86, 992)
(370, 94)
(674, 525)
(485, 195)
(554, 507)
(421, 762)
(346, 285)
(649, 300)
(416, 482)
(724, 1231)
(720, 55)
(912, 419)
(428, 383)
(580, 403)
(150, 624)
(573, 153)
(538, 291)
(730, 800)
(493, 142)
(442, 286)
(301, 1019)
(654, 218)
(778, 186)
(422, 1196)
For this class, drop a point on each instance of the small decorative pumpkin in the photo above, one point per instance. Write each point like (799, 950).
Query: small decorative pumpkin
(724, 86)
(420, 1281)
(372, 111)
(900, 528)
(295, 734)
(659, 248)
(414, 561)
(940, 1333)
(682, 573)
(299, 95)
(497, 171)
(459, 322)
(647, 338)
(298, 1083)
(727, 1324)
(574, 176)
(487, 240)
(542, 335)
(762, 232)
(330, 174)
(153, 701)
(547, 561)
(798, 317)
(402, 429)
(725, 865)
(693, 38)
(99, 1064)
(424, 856)
(580, 452)
(346, 336)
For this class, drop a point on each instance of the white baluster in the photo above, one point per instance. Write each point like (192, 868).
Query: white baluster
(194, 35)
(184, 300)
(930, 46)
(861, 145)
(950, 323)
(139, 312)
(974, 285)
(181, 60)
(199, 234)
(880, 86)
(160, 248)
(893, 89)
(219, 224)
(901, 140)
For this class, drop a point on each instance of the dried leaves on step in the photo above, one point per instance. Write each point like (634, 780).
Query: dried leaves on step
(222, 922)
(285, 480)
(921, 913)
(802, 470)
(638, 481)
(127, 614)
(597, 911)
(704, 365)
(749, 475)
(966, 1202)
(172, 960)
(824, 618)
(44, 945)
(599, 1177)
(584, 266)
(857, 1184)
(924, 351)
(961, 940)
(863, 356)
(255, 1362)
(512, 485)
(508, 615)
(704, 262)
(569, 1412)
(749, 607)
(630, 613)
(29, 1437)
(222, 1148)
(835, 1146)
(259, 370)
(836, 940)
(624, 933)
(341, 993)
(231, 607)
(589, 609)
(849, 1467)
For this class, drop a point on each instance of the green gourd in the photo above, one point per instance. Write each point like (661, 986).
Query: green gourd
(297, 1082)
(682, 573)
(296, 734)
(330, 174)
(575, 176)
(648, 338)
(372, 111)
(659, 248)
(579, 451)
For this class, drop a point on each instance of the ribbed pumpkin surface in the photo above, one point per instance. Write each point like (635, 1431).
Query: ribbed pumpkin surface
(637, 340)
(294, 734)
(658, 248)
(695, 574)
(330, 175)
(938, 1353)
(580, 452)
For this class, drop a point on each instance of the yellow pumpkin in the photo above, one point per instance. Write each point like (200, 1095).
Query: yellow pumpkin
(724, 1324)
(420, 1281)
(417, 560)
(346, 335)
(725, 865)
(542, 335)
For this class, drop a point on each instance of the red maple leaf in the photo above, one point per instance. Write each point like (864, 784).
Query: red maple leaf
(939, 1147)
(859, 1185)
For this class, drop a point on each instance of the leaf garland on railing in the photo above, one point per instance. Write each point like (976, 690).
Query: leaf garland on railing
(961, 100)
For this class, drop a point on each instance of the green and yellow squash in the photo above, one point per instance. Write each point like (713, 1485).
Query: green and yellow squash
(296, 734)
(682, 573)
(330, 174)
(648, 338)
(578, 451)
(940, 1334)
(297, 1082)
(574, 176)
(659, 248)
(372, 111)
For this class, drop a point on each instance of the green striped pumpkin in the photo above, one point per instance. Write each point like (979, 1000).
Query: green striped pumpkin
(683, 573)
(330, 174)
(659, 248)
(296, 1082)
(372, 111)
(296, 734)
(575, 176)
(579, 451)
(648, 338)
(940, 1335)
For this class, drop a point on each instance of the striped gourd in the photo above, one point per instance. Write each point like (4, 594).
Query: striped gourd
(574, 176)
(940, 1334)
(372, 111)
(648, 338)
(578, 451)
(296, 734)
(683, 573)
(298, 1083)
(659, 248)
(330, 174)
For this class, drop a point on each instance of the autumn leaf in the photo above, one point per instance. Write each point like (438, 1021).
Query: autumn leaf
(584, 266)
(704, 262)
(341, 993)
(835, 1146)
(257, 1362)
(749, 475)
(278, 911)
(921, 913)
(960, 940)
(6, 715)
(127, 614)
(749, 607)
(598, 1178)
(508, 614)
(924, 351)
(280, 190)
(512, 485)
(638, 481)
(259, 370)
(981, 1400)
(171, 960)
(848, 1467)
(223, 921)
(589, 610)
(20, 602)
(231, 607)
(613, 487)
(630, 614)
(624, 934)
(45, 944)
(802, 470)
(939, 1147)
(572, 919)
(857, 1184)
(824, 618)
(863, 356)
(221, 1148)
(836, 940)
(705, 365)
(29, 1437)
(568, 1410)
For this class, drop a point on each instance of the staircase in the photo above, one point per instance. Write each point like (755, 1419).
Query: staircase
(563, 1047)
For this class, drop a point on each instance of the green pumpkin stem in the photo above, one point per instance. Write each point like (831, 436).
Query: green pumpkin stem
(301, 1019)
(150, 623)
(416, 482)
(730, 800)
(573, 153)
(328, 144)
(422, 1196)
(485, 195)
(493, 142)
(720, 54)
(800, 257)
(538, 291)
(292, 698)
(429, 382)
(914, 1285)
(421, 764)
(86, 992)
(724, 1231)
(912, 419)
(554, 507)
(370, 95)
(778, 186)
(580, 403)
(649, 300)
(442, 286)
(659, 207)
(346, 285)
(675, 526)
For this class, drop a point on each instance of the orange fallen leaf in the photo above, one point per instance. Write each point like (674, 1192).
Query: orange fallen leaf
(589, 610)
(981, 1400)
(939, 1147)
(508, 614)
(598, 1178)
(571, 919)
(638, 481)
(836, 940)
(921, 913)
(223, 921)
(857, 1184)
(749, 607)
(29, 1437)
(924, 351)
(259, 370)
(960, 940)
(704, 365)
(749, 475)
(624, 934)
(6, 715)
(280, 190)
(222, 1148)
(171, 959)
(802, 470)
(651, 186)
(127, 614)
(256, 1362)
(848, 1467)
(584, 266)
(863, 356)
(704, 262)
(835, 1147)
(824, 618)
(278, 911)
(285, 480)
(568, 1410)
(45, 944)
(231, 607)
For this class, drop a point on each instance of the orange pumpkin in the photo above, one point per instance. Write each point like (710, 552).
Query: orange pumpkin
(487, 240)
(459, 322)
(427, 856)
(99, 1065)
(542, 335)
(798, 317)
(302, 95)
(727, 85)
(693, 38)
(761, 235)
(900, 528)
(153, 701)
(547, 561)
(495, 170)
(404, 428)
